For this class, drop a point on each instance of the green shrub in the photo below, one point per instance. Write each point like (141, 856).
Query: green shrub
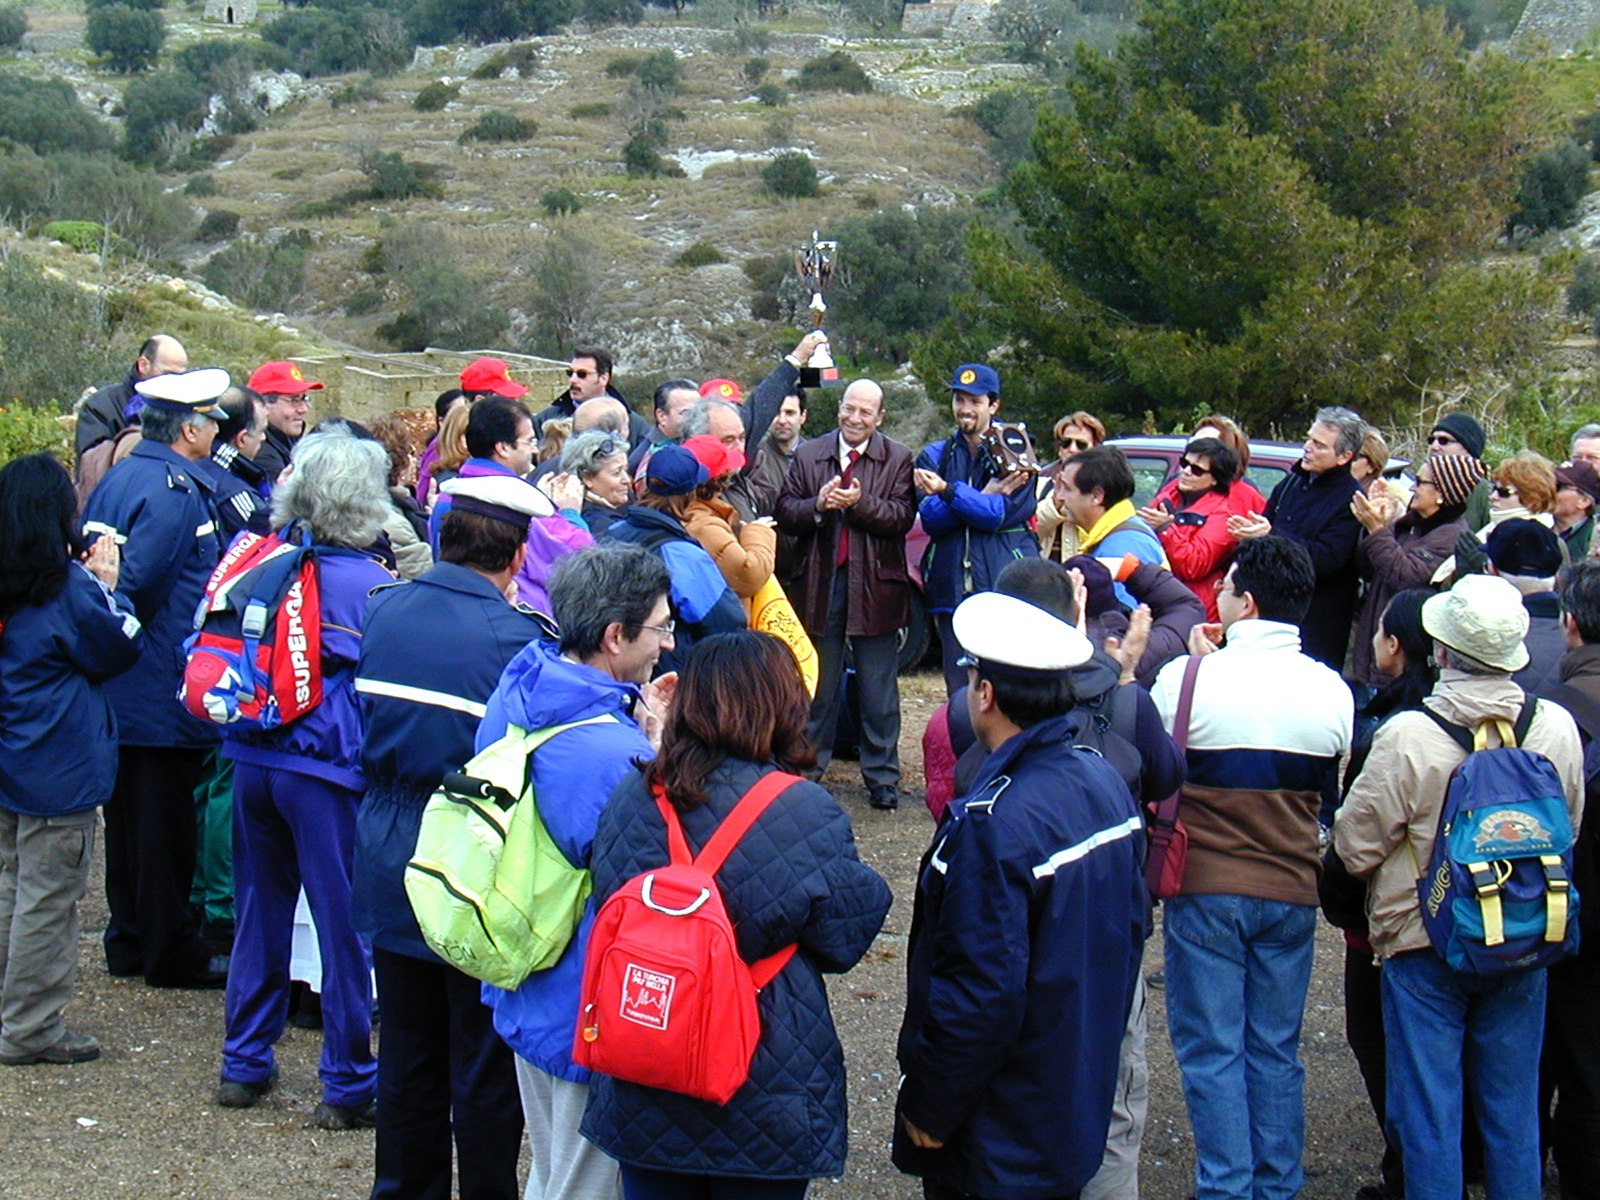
(38, 373)
(219, 225)
(13, 26)
(742, 39)
(791, 174)
(755, 69)
(320, 41)
(367, 300)
(772, 94)
(81, 187)
(126, 38)
(611, 12)
(585, 112)
(201, 185)
(362, 91)
(1553, 185)
(661, 70)
(623, 65)
(45, 115)
(1007, 115)
(164, 109)
(766, 274)
(222, 65)
(435, 96)
(394, 178)
(498, 126)
(86, 237)
(560, 202)
(1583, 297)
(835, 72)
(261, 275)
(29, 430)
(701, 254)
(643, 160)
(523, 59)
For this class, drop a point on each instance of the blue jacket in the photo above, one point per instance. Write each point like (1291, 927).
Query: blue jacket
(972, 535)
(1314, 510)
(432, 653)
(326, 742)
(702, 601)
(159, 508)
(794, 877)
(58, 735)
(573, 774)
(1025, 942)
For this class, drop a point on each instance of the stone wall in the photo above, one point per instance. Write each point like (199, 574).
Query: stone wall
(1560, 24)
(363, 386)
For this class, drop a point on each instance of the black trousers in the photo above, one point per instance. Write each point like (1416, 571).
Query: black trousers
(439, 1058)
(877, 689)
(1363, 1030)
(938, 1191)
(1569, 1071)
(150, 849)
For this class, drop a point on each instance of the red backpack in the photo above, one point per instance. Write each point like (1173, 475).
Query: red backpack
(667, 1001)
(255, 659)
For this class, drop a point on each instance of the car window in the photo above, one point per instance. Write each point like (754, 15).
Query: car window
(1150, 471)
(1266, 476)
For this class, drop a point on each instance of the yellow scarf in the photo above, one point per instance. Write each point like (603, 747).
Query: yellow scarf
(1119, 512)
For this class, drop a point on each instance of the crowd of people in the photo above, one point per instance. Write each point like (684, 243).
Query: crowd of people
(1306, 671)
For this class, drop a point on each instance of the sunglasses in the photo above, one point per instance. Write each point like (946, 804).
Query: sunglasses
(1504, 490)
(1442, 439)
(611, 445)
(579, 373)
(1073, 443)
(1194, 468)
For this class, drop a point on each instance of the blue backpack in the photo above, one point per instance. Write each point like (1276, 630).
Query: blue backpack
(1497, 897)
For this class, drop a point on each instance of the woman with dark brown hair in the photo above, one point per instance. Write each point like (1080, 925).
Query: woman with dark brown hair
(407, 525)
(794, 879)
(1074, 433)
(1227, 431)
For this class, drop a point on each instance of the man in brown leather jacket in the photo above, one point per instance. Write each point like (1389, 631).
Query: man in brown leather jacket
(848, 502)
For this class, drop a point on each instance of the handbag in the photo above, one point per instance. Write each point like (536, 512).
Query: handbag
(1168, 851)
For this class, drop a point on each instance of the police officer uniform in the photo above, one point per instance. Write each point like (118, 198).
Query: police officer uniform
(1029, 918)
(422, 695)
(158, 507)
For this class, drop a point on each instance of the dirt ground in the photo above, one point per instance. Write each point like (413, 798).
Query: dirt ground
(141, 1122)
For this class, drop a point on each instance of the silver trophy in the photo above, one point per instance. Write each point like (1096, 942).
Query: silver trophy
(814, 264)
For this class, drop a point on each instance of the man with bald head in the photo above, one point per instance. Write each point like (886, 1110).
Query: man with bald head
(848, 501)
(113, 408)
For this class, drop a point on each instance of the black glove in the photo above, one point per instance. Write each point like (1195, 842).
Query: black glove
(1470, 558)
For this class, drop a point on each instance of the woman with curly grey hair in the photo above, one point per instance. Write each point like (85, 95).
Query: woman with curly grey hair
(599, 459)
(296, 791)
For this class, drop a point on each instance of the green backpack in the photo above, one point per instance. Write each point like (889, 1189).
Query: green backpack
(493, 894)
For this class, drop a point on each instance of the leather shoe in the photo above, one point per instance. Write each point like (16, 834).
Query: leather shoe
(339, 1117)
(213, 976)
(884, 796)
(70, 1048)
(236, 1093)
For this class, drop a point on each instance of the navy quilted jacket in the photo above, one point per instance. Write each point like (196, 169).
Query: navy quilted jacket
(794, 877)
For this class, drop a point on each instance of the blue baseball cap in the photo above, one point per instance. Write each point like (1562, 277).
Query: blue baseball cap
(674, 471)
(976, 379)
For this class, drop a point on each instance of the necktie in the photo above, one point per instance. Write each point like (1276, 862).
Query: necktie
(845, 479)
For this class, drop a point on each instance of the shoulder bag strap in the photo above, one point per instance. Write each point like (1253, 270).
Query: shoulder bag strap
(1167, 810)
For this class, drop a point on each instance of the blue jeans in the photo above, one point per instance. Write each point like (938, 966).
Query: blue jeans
(1442, 1027)
(1237, 972)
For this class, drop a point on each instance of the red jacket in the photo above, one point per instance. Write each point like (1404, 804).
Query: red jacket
(1198, 544)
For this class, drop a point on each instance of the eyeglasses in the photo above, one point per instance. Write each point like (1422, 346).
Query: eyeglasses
(1442, 439)
(530, 440)
(1194, 468)
(665, 631)
(1072, 443)
(579, 373)
(1504, 490)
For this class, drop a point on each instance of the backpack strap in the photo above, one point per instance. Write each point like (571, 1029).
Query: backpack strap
(715, 852)
(1474, 739)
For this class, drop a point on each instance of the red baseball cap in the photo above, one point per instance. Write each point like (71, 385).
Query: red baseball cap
(491, 375)
(281, 379)
(714, 456)
(722, 389)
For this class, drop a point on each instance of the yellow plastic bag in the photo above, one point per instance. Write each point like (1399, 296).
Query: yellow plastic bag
(769, 611)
